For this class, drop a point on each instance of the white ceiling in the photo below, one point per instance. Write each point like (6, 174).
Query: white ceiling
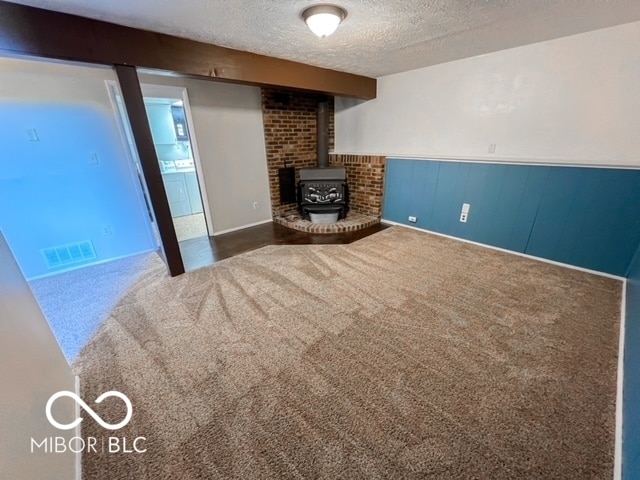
(377, 37)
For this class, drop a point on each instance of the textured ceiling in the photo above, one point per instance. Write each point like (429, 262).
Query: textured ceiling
(377, 37)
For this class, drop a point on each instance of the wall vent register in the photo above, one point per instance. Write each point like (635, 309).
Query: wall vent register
(68, 254)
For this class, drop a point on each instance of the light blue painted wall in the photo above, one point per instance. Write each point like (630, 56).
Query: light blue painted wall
(631, 413)
(74, 184)
(577, 215)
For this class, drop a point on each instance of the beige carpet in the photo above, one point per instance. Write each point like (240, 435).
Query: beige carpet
(76, 302)
(190, 226)
(403, 355)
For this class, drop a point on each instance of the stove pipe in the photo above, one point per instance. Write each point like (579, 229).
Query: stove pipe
(322, 129)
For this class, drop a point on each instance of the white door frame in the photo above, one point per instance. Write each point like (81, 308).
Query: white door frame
(180, 93)
(135, 169)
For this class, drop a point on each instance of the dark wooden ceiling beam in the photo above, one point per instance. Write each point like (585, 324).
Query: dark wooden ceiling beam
(36, 32)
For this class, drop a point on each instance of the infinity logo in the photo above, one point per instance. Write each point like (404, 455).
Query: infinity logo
(88, 409)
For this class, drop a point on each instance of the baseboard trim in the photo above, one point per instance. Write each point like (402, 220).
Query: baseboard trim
(229, 230)
(617, 459)
(525, 255)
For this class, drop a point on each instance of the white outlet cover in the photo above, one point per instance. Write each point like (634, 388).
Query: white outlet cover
(32, 135)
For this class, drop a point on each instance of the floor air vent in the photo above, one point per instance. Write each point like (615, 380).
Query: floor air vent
(68, 254)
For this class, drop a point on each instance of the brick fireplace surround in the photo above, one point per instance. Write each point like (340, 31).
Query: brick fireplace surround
(290, 136)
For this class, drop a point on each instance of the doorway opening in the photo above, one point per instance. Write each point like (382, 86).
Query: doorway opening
(169, 118)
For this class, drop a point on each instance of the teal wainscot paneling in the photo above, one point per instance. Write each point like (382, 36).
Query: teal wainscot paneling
(581, 216)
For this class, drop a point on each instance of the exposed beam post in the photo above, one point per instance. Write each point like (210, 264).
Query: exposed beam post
(134, 104)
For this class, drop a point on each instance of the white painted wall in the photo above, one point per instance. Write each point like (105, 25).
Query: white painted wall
(230, 136)
(32, 368)
(570, 100)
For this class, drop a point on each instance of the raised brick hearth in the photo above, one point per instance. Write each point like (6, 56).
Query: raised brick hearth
(354, 221)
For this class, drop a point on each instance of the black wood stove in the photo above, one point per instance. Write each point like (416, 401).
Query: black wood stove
(323, 190)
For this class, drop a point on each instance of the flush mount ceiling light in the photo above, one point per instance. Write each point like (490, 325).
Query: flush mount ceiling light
(323, 20)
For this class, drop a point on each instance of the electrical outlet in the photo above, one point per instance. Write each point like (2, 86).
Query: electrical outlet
(255, 205)
(106, 230)
(93, 159)
(413, 219)
(464, 214)
(492, 148)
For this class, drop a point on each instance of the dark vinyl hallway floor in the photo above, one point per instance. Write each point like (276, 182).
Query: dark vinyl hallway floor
(203, 251)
